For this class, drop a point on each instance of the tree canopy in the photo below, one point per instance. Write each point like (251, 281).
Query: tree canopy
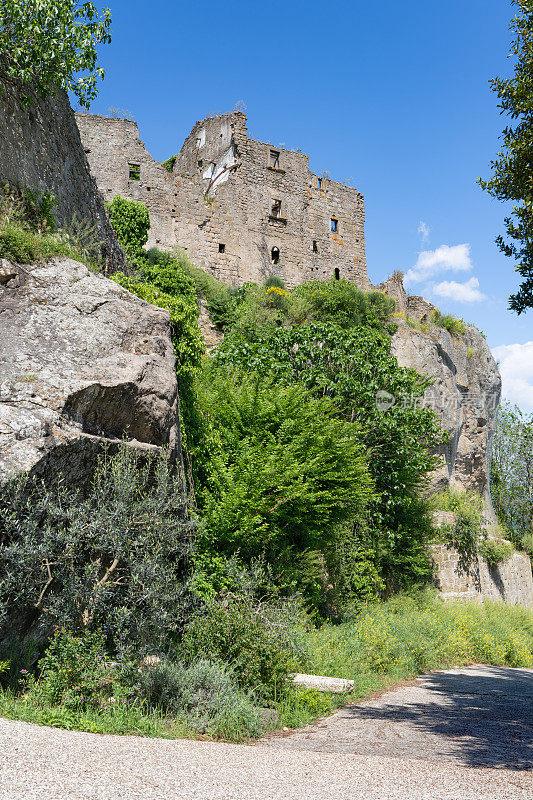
(512, 171)
(51, 44)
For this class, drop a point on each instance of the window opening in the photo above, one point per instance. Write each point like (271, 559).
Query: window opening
(337, 274)
(135, 172)
(274, 159)
(319, 183)
(276, 208)
(222, 248)
(315, 246)
(274, 255)
(334, 225)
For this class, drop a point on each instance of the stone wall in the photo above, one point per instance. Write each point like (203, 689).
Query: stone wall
(40, 148)
(219, 203)
(510, 581)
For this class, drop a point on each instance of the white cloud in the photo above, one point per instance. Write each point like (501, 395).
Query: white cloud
(445, 258)
(516, 367)
(423, 230)
(467, 292)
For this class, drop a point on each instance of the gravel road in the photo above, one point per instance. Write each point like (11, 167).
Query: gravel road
(455, 735)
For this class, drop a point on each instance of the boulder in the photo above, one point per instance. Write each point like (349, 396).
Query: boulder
(83, 363)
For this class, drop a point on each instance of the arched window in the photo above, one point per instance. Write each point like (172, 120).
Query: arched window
(274, 255)
(337, 274)
(334, 225)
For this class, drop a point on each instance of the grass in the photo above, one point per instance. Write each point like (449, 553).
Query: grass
(384, 645)
(399, 639)
(25, 243)
(298, 708)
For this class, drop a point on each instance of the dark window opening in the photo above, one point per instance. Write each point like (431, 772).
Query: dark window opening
(148, 188)
(222, 248)
(315, 246)
(276, 208)
(200, 162)
(337, 274)
(334, 225)
(274, 255)
(135, 172)
(274, 159)
(319, 183)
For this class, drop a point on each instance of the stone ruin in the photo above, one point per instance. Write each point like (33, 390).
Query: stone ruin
(242, 209)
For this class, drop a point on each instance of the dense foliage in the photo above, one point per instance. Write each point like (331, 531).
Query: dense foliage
(354, 367)
(512, 473)
(285, 474)
(115, 559)
(51, 44)
(512, 169)
(131, 222)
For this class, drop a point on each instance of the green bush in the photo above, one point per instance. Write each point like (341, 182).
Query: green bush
(236, 632)
(527, 544)
(172, 291)
(114, 560)
(287, 473)
(494, 551)
(28, 232)
(75, 673)
(204, 694)
(131, 223)
(221, 302)
(168, 163)
(465, 533)
(346, 305)
(352, 367)
(452, 324)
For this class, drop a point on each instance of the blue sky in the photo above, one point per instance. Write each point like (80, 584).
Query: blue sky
(390, 97)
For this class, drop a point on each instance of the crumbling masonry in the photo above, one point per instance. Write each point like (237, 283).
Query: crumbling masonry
(241, 209)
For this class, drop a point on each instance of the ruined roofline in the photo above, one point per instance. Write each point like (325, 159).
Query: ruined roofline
(242, 117)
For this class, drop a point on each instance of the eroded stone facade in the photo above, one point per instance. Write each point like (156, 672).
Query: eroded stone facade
(242, 209)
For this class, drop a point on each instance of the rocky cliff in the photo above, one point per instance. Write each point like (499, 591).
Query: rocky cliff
(465, 393)
(82, 363)
(40, 149)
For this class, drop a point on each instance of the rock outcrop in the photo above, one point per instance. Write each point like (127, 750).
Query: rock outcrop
(41, 150)
(82, 362)
(465, 393)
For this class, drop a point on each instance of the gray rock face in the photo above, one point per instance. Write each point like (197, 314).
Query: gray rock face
(465, 393)
(82, 362)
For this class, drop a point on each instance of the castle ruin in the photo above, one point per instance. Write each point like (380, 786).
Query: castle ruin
(241, 209)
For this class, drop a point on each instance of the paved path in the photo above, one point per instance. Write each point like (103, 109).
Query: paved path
(456, 735)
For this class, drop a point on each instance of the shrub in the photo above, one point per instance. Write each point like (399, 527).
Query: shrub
(495, 551)
(179, 299)
(527, 544)
(288, 472)
(237, 633)
(452, 324)
(131, 222)
(204, 694)
(168, 164)
(115, 560)
(28, 233)
(75, 673)
(346, 305)
(219, 299)
(464, 534)
(351, 367)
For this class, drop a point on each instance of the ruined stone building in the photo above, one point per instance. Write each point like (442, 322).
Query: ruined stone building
(242, 209)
